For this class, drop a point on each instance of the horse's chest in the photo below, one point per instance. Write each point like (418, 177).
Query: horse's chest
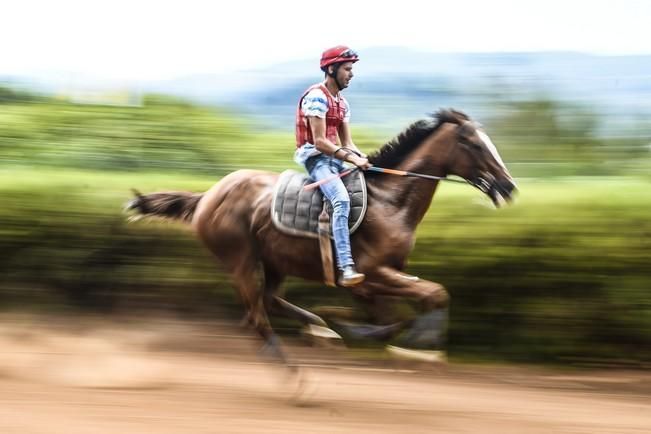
(393, 246)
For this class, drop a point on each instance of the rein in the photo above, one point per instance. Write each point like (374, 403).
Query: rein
(414, 174)
(453, 151)
(385, 171)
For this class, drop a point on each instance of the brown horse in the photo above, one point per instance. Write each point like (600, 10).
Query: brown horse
(233, 220)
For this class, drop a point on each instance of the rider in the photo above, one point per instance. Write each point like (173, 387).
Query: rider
(322, 116)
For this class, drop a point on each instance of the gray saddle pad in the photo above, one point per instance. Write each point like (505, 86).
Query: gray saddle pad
(296, 211)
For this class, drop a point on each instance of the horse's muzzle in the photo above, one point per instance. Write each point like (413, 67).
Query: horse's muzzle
(501, 191)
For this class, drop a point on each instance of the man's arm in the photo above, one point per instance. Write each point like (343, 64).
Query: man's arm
(347, 140)
(318, 126)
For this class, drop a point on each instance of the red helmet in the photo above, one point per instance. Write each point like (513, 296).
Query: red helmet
(337, 54)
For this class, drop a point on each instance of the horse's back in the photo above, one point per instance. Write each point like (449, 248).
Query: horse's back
(236, 195)
(245, 177)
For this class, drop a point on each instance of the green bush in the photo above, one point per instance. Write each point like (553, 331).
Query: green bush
(562, 275)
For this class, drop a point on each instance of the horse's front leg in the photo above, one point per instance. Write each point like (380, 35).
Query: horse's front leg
(429, 328)
(389, 281)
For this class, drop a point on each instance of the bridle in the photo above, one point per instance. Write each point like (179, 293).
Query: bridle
(478, 178)
(478, 181)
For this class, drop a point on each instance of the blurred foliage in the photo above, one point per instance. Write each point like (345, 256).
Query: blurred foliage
(9, 95)
(163, 134)
(542, 137)
(537, 136)
(560, 276)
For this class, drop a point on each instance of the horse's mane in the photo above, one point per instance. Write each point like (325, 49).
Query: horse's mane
(395, 151)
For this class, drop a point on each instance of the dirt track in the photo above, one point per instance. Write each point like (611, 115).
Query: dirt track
(92, 376)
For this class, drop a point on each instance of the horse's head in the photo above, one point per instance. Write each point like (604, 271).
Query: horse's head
(474, 157)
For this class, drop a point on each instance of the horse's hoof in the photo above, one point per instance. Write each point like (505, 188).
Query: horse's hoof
(428, 356)
(322, 336)
(362, 331)
(272, 351)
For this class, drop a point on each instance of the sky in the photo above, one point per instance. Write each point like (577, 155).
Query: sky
(157, 40)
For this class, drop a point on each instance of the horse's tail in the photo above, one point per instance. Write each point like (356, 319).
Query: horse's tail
(179, 205)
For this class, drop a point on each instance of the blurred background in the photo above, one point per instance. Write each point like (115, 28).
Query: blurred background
(99, 98)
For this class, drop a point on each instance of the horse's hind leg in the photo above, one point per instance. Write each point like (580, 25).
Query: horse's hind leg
(316, 327)
(281, 305)
(278, 305)
(247, 283)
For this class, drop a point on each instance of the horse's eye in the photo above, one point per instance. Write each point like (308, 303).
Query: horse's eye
(473, 145)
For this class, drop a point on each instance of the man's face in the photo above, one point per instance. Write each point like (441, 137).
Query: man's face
(345, 74)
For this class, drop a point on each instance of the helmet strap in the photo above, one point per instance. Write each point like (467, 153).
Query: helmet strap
(335, 69)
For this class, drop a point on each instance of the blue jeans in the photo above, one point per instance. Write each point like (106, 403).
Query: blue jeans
(320, 167)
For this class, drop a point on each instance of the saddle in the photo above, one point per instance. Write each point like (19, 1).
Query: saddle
(302, 213)
(296, 211)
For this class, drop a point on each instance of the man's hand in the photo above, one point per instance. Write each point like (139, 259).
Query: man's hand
(361, 162)
(359, 153)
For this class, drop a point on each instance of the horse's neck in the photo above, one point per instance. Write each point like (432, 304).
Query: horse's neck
(417, 199)
(410, 196)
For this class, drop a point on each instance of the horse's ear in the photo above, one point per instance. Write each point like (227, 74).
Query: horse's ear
(136, 193)
(444, 115)
(460, 114)
(451, 115)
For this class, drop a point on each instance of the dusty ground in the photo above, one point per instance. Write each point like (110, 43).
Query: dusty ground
(161, 376)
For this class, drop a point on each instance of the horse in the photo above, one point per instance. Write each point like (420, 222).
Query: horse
(233, 220)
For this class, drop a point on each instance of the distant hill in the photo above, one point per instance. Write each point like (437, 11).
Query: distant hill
(394, 86)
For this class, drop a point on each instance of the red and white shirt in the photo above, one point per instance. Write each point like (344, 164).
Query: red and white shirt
(319, 102)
